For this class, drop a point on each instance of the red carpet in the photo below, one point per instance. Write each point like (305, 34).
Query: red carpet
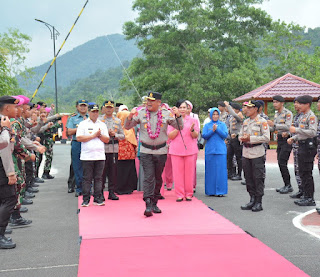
(188, 239)
(124, 218)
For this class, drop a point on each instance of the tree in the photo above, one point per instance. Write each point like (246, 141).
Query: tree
(13, 47)
(191, 48)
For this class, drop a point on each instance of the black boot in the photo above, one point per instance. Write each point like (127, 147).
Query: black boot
(258, 204)
(296, 195)
(286, 189)
(236, 178)
(112, 196)
(5, 243)
(250, 204)
(155, 208)
(305, 201)
(46, 175)
(149, 204)
(278, 189)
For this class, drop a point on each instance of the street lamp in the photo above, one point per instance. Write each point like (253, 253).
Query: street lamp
(54, 34)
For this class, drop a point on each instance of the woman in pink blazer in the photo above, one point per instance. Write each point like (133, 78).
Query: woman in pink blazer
(183, 153)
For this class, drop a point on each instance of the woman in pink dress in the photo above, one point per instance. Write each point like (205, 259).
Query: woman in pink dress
(183, 150)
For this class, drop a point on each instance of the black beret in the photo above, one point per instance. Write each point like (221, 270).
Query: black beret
(278, 98)
(220, 103)
(235, 106)
(42, 104)
(154, 96)
(305, 99)
(118, 104)
(261, 103)
(8, 100)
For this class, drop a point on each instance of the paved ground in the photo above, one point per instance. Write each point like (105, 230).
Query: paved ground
(50, 246)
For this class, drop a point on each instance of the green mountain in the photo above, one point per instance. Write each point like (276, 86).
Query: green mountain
(83, 61)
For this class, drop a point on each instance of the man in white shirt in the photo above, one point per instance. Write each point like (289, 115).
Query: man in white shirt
(93, 134)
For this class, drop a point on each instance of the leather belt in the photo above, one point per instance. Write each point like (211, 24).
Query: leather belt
(153, 147)
(248, 145)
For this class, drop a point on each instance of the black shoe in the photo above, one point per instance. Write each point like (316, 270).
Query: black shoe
(148, 210)
(161, 197)
(5, 243)
(98, 202)
(70, 190)
(85, 204)
(257, 207)
(29, 195)
(286, 189)
(19, 222)
(112, 196)
(155, 209)
(278, 189)
(23, 209)
(77, 194)
(296, 195)
(32, 190)
(8, 231)
(34, 185)
(231, 176)
(169, 189)
(179, 199)
(318, 210)
(47, 176)
(236, 178)
(249, 205)
(305, 202)
(243, 183)
(38, 180)
(26, 201)
(102, 198)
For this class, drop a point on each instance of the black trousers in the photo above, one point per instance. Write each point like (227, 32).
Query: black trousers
(72, 178)
(254, 173)
(283, 154)
(8, 201)
(92, 170)
(153, 166)
(234, 148)
(305, 162)
(29, 167)
(110, 171)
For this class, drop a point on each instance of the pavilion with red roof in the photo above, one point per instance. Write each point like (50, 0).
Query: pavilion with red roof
(288, 86)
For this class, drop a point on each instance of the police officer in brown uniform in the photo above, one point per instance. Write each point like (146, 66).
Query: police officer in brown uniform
(111, 149)
(153, 122)
(306, 136)
(254, 132)
(282, 122)
(234, 148)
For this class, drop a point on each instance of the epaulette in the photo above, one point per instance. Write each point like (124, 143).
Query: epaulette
(74, 114)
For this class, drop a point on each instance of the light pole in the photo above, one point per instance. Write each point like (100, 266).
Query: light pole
(54, 34)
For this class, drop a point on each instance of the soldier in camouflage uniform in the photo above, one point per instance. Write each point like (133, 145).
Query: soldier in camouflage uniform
(48, 143)
(318, 148)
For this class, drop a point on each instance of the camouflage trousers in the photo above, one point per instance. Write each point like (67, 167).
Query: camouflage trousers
(21, 184)
(295, 148)
(49, 156)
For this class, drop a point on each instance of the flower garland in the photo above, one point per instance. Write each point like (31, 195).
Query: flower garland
(159, 123)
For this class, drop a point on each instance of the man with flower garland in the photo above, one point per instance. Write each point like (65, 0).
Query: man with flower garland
(153, 122)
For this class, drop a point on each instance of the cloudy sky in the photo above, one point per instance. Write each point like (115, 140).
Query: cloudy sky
(102, 17)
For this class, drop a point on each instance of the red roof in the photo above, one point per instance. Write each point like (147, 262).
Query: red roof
(289, 86)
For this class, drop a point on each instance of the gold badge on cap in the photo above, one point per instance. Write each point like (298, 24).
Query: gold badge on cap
(151, 94)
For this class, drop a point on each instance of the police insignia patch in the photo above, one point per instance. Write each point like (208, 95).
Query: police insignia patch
(312, 119)
(288, 116)
(265, 125)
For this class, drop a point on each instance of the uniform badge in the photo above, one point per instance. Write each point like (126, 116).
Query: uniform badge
(255, 133)
(312, 119)
(301, 126)
(145, 125)
(288, 116)
(265, 125)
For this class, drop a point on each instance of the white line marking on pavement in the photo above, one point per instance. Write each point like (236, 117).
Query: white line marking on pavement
(42, 267)
(297, 223)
